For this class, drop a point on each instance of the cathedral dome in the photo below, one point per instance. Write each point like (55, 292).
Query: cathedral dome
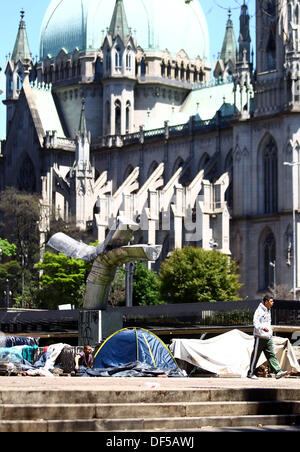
(157, 24)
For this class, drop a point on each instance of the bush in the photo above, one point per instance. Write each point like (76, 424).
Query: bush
(192, 275)
(146, 286)
(62, 281)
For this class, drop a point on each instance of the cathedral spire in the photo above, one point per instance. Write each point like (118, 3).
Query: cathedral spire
(119, 24)
(244, 37)
(229, 48)
(82, 123)
(21, 50)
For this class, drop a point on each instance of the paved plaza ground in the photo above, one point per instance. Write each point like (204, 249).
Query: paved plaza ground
(136, 383)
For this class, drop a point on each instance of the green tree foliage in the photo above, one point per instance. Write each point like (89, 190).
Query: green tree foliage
(10, 271)
(19, 224)
(146, 286)
(7, 249)
(20, 214)
(29, 299)
(192, 275)
(62, 280)
(10, 280)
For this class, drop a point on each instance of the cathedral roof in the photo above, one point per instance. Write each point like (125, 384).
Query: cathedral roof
(156, 24)
(206, 101)
(41, 103)
(203, 103)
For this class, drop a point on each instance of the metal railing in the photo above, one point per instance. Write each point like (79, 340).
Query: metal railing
(191, 127)
(233, 313)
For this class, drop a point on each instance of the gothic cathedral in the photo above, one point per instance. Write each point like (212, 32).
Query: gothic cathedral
(123, 114)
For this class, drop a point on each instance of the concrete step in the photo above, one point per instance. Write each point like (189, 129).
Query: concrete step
(148, 396)
(42, 426)
(144, 411)
(152, 424)
(179, 423)
(151, 410)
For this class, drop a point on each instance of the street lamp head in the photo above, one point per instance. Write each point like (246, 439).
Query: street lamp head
(291, 163)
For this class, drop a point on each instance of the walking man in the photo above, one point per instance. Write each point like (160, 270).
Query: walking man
(263, 339)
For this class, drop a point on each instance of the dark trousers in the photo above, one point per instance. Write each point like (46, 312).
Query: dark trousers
(266, 346)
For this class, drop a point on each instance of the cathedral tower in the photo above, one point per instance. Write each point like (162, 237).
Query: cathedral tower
(82, 176)
(277, 57)
(119, 52)
(243, 77)
(244, 37)
(17, 69)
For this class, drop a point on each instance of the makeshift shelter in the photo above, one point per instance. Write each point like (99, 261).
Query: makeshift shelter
(131, 345)
(18, 353)
(15, 341)
(230, 353)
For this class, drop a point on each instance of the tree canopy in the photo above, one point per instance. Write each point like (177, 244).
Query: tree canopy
(192, 275)
(62, 280)
(146, 286)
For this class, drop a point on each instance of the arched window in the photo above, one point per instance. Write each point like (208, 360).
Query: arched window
(188, 74)
(267, 255)
(176, 71)
(182, 72)
(98, 69)
(117, 117)
(143, 67)
(169, 69)
(270, 177)
(118, 57)
(128, 58)
(26, 177)
(270, 15)
(128, 116)
(19, 80)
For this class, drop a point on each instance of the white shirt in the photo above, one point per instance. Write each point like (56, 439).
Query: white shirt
(261, 320)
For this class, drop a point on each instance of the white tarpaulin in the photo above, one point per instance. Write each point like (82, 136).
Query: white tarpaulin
(230, 353)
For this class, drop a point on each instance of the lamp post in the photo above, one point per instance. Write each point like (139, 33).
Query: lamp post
(273, 265)
(7, 293)
(293, 165)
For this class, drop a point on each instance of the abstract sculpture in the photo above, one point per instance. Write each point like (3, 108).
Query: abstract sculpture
(112, 253)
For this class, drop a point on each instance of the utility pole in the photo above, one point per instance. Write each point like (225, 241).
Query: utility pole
(293, 165)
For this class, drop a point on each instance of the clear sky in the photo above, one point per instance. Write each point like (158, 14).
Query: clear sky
(215, 12)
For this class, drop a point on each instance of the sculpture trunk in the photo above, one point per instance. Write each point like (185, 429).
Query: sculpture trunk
(104, 270)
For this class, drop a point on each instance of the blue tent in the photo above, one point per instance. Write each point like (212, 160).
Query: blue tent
(134, 344)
